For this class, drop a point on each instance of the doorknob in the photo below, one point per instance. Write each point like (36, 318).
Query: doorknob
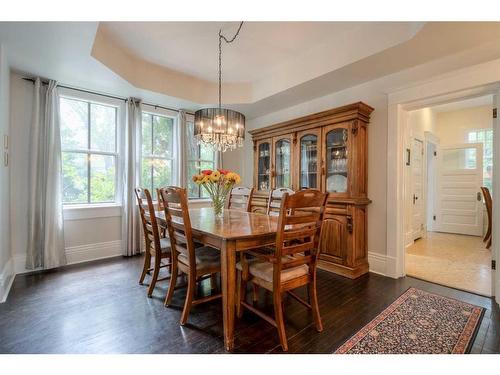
(478, 196)
(414, 198)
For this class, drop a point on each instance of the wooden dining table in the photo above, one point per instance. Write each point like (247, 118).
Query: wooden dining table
(232, 232)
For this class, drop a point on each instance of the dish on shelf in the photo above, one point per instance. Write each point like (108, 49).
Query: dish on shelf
(336, 183)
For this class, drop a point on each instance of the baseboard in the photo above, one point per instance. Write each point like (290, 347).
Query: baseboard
(78, 254)
(6, 279)
(378, 263)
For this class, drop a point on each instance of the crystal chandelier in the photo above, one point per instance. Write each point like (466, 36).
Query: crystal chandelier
(223, 129)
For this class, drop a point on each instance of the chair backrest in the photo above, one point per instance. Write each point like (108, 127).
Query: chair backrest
(175, 204)
(240, 198)
(487, 200)
(160, 206)
(274, 200)
(149, 223)
(299, 229)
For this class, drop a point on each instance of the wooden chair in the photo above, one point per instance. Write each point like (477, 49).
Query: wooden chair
(274, 200)
(240, 198)
(489, 204)
(188, 259)
(155, 246)
(293, 262)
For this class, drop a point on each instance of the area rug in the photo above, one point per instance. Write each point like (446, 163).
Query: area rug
(418, 322)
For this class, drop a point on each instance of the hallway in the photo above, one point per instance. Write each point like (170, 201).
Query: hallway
(453, 260)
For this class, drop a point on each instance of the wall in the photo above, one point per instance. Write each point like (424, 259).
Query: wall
(6, 267)
(377, 146)
(452, 127)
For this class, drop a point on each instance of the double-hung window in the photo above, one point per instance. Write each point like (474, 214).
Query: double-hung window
(198, 157)
(159, 162)
(89, 146)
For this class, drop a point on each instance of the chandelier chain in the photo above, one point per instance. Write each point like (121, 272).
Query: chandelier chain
(221, 37)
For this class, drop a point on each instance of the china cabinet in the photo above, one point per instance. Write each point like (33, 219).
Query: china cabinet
(326, 151)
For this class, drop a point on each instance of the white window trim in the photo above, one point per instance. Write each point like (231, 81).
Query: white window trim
(93, 208)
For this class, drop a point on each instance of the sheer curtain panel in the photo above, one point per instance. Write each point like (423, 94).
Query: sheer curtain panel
(45, 221)
(131, 232)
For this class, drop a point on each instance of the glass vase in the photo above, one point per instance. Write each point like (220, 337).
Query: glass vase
(218, 203)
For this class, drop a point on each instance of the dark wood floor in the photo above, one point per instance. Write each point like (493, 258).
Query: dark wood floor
(100, 308)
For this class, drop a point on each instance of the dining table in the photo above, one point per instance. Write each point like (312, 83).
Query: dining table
(231, 232)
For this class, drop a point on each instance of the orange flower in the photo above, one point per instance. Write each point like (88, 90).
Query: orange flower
(206, 172)
(223, 171)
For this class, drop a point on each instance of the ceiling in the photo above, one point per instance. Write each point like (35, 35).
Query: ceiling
(272, 65)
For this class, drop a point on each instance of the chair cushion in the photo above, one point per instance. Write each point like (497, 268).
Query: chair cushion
(206, 257)
(264, 270)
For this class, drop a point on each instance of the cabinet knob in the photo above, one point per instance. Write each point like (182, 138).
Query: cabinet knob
(349, 224)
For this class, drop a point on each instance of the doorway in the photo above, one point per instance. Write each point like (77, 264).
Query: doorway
(450, 158)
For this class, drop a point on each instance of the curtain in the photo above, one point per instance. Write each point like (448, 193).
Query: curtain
(131, 221)
(181, 141)
(45, 221)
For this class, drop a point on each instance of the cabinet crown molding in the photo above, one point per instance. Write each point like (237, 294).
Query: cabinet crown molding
(355, 111)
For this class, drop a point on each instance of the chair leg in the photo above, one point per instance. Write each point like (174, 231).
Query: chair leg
(189, 298)
(147, 264)
(280, 322)
(314, 305)
(156, 272)
(171, 286)
(241, 294)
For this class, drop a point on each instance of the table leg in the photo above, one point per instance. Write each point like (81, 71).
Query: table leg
(228, 280)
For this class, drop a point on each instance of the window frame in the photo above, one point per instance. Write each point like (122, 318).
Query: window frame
(161, 112)
(483, 142)
(119, 105)
(190, 119)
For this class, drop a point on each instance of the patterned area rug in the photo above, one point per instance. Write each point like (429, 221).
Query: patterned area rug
(418, 322)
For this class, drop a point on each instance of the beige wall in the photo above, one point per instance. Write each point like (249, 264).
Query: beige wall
(452, 127)
(377, 147)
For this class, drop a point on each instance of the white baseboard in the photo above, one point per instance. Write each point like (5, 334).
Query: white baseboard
(6, 279)
(78, 254)
(377, 263)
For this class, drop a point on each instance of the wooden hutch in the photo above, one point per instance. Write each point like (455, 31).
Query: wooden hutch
(326, 151)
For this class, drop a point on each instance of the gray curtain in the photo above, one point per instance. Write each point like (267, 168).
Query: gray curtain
(45, 221)
(181, 141)
(131, 224)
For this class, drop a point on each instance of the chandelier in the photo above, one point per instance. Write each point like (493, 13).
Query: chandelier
(223, 129)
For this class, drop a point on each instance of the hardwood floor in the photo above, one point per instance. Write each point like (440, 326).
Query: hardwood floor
(99, 307)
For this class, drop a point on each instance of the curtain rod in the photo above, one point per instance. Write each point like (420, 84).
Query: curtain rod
(108, 96)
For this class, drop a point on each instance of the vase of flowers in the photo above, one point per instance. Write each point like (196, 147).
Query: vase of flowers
(218, 183)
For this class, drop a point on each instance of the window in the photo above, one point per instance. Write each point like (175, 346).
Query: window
(484, 136)
(158, 167)
(199, 157)
(89, 151)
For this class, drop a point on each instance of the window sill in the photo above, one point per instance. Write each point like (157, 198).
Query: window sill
(91, 211)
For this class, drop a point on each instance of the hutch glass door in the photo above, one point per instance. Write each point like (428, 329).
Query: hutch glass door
(282, 149)
(337, 160)
(308, 176)
(264, 166)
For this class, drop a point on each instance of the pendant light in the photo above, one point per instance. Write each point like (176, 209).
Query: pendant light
(223, 129)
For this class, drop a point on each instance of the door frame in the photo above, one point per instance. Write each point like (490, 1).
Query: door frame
(412, 238)
(429, 138)
(467, 83)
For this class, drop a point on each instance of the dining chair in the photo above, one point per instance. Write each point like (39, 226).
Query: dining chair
(489, 204)
(195, 262)
(155, 247)
(293, 262)
(274, 200)
(240, 198)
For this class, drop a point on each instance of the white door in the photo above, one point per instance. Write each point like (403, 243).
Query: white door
(459, 200)
(417, 179)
